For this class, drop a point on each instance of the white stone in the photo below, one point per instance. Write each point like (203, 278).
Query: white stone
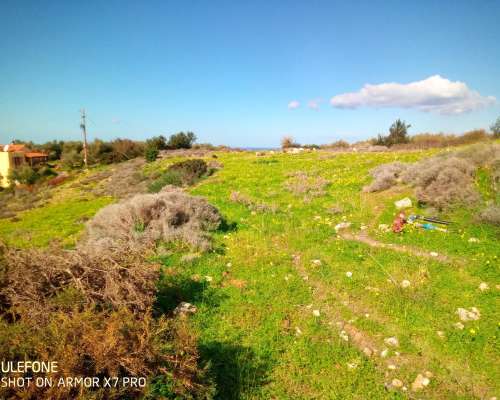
(316, 313)
(391, 341)
(433, 254)
(342, 225)
(348, 274)
(403, 203)
(459, 325)
(396, 383)
(483, 286)
(468, 315)
(405, 283)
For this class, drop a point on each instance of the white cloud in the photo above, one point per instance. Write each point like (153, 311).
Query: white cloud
(115, 121)
(293, 105)
(314, 104)
(434, 94)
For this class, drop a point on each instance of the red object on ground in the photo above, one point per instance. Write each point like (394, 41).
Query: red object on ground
(399, 222)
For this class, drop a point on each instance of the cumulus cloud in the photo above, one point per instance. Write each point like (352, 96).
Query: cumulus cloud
(434, 94)
(293, 105)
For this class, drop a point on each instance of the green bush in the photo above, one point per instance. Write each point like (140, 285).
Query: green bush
(151, 153)
(181, 140)
(183, 173)
(24, 175)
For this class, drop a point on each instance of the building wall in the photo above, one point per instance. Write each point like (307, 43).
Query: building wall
(7, 163)
(4, 168)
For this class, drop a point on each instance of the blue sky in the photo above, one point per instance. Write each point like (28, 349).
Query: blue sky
(230, 70)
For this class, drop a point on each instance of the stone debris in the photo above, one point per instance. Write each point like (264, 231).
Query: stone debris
(348, 274)
(420, 383)
(363, 227)
(384, 353)
(343, 335)
(384, 228)
(342, 225)
(316, 262)
(229, 265)
(185, 308)
(367, 351)
(403, 203)
(473, 240)
(209, 278)
(405, 283)
(392, 367)
(483, 286)
(316, 313)
(391, 341)
(434, 254)
(352, 365)
(459, 325)
(468, 315)
(396, 383)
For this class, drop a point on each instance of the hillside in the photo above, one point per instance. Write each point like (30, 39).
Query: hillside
(288, 306)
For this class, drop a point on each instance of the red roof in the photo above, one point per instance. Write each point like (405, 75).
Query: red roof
(14, 147)
(35, 154)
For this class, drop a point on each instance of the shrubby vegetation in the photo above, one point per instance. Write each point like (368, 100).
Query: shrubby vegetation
(442, 181)
(183, 173)
(92, 308)
(398, 134)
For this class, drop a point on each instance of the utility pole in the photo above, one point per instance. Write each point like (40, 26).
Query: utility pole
(84, 131)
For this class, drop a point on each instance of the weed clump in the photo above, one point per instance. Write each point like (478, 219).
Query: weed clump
(141, 221)
(184, 173)
(491, 215)
(251, 204)
(385, 176)
(441, 181)
(301, 183)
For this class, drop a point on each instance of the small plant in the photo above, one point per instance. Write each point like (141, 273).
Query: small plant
(151, 153)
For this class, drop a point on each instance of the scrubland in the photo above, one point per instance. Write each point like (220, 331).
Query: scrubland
(286, 306)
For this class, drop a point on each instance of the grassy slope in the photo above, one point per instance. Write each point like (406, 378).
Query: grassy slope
(255, 318)
(315, 364)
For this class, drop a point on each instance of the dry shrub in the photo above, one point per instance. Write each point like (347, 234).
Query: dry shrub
(34, 278)
(143, 220)
(251, 204)
(301, 183)
(444, 180)
(491, 215)
(385, 176)
(106, 344)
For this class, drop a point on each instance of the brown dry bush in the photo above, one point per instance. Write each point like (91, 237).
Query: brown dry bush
(143, 220)
(441, 181)
(491, 215)
(33, 278)
(385, 176)
(106, 344)
(301, 183)
(251, 204)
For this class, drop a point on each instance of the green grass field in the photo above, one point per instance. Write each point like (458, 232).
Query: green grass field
(288, 309)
